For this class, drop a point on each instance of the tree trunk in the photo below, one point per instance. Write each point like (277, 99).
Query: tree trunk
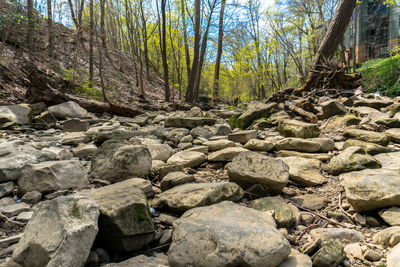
(29, 33)
(331, 41)
(190, 96)
(219, 51)
(91, 37)
(50, 27)
(164, 51)
(185, 38)
(102, 26)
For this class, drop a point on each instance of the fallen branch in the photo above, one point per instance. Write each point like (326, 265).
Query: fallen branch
(345, 212)
(307, 116)
(8, 220)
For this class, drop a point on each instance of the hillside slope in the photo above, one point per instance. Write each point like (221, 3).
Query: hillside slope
(67, 70)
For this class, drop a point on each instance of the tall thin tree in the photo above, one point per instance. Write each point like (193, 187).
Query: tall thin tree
(91, 41)
(219, 50)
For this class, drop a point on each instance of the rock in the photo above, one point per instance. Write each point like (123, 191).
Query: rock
(6, 189)
(331, 254)
(62, 240)
(293, 128)
(15, 114)
(338, 123)
(14, 209)
(24, 216)
(296, 259)
(222, 129)
(345, 235)
(393, 258)
(326, 144)
(391, 216)
(242, 136)
(84, 150)
(226, 154)
(259, 145)
(217, 234)
(298, 144)
(176, 135)
(283, 214)
(372, 189)
(305, 172)
(116, 134)
(353, 250)
(394, 134)
(201, 132)
(371, 255)
(370, 148)
(332, 107)
(175, 178)
(58, 153)
(219, 144)
(37, 108)
(390, 161)
(189, 123)
(46, 118)
(75, 138)
(76, 125)
(201, 149)
(52, 175)
(143, 184)
(31, 197)
(317, 156)
(373, 103)
(311, 201)
(351, 159)
(279, 116)
(367, 136)
(188, 196)
(188, 158)
(5, 201)
(118, 160)
(68, 110)
(140, 261)
(253, 112)
(251, 167)
(160, 168)
(125, 222)
(389, 122)
(388, 237)
(160, 151)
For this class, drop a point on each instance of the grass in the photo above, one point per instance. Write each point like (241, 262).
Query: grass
(377, 74)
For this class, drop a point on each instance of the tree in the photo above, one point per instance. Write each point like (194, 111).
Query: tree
(331, 40)
(219, 49)
(91, 40)
(163, 45)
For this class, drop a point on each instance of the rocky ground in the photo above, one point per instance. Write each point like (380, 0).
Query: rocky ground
(256, 187)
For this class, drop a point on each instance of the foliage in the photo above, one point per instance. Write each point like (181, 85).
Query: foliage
(83, 87)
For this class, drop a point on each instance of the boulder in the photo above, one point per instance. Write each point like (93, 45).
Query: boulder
(218, 144)
(253, 112)
(297, 144)
(217, 235)
(188, 158)
(242, 136)
(226, 154)
(68, 109)
(16, 114)
(52, 175)
(370, 148)
(293, 128)
(118, 160)
(188, 122)
(187, 196)
(332, 107)
(259, 145)
(283, 214)
(305, 172)
(125, 222)
(61, 240)
(251, 168)
(175, 178)
(367, 136)
(351, 159)
(160, 151)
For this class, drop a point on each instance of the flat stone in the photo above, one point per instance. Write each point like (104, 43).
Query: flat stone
(298, 144)
(140, 261)
(242, 136)
(189, 123)
(317, 156)
(160, 151)
(251, 168)
(293, 128)
(373, 103)
(394, 134)
(217, 234)
(175, 178)
(219, 144)
(188, 158)
(24, 216)
(391, 216)
(253, 112)
(305, 172)
(226, 154)
(76, 125)
(311, 201)
(14, 209)
(367, 136)
(345, 235)
(369, 148)
(371, 255)
(187, 196)
(388, 237)
(84, 150)
(6, 189)
(296, 259)
(68, 110)
(259, 145)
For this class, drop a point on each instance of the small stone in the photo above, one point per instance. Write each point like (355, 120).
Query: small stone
(14, 209)
(76, 125)
(353, 250)
(311, 201)
(371, 255)
(31, 197)
(24, 216)
(242, 136)
(6, 189)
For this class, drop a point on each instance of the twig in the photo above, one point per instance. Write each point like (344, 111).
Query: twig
(6, 219)
(345, 212)
(319, 215)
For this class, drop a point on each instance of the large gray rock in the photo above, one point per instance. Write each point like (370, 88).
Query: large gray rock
(370, 148)
(187, 196)
(188, 158)
(227, 234)
(293, 128)
(76, 125)
(367, 136)
(351, 159)
(298, 144)
(251, 168)
(332, 107)
(189, 123)
(118, 160)
(52, 175)
(175, 178)
(68, 109)
(60, 233)
(125, 222)
(219, 144)
(15, 113)
(160, 151)
(226, 154)
(305, 172)
(242, 136)
(255, 111)
(373, 103)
